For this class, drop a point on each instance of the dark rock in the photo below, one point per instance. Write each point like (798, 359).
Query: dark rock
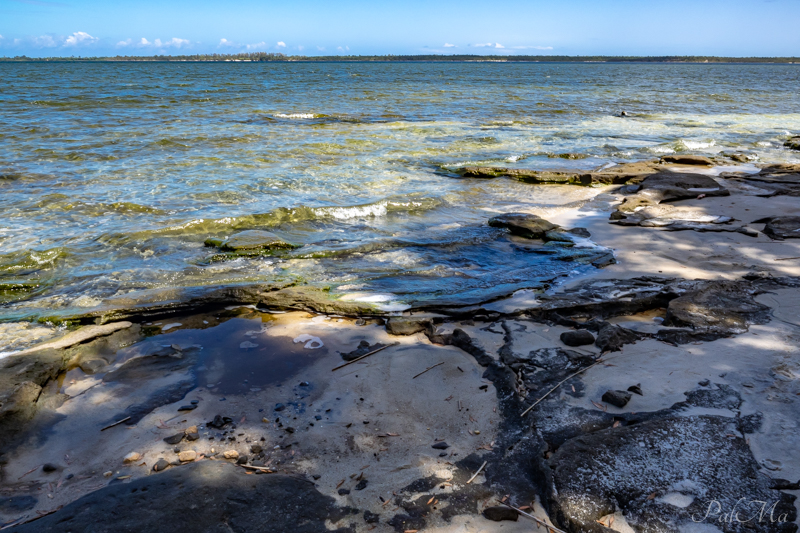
(440, 446)
(499, 513)
(398, 325)
(621, 468)
(220, 422)
(192, 436)
(704, 383)
(187, 407)
(722, 307)
(784, 484)
(363, 349)
(361, 485)
(317, 417)
(174, 439)
(289, 429)
(793, 143)
(687, 160)
(16, 504)
(579, 337)
(194, 402)
(783, 228)
(160, 465)
(315, 477)
(613, 338)
(343, 492)
(618, 398)
(256, 448)
(49, 467)
(523, 224)
(242, 460)
(201, 496)
(636, 389)
(279, 407)
(371, 518)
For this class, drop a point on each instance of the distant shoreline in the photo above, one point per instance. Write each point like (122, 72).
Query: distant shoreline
(262, 57)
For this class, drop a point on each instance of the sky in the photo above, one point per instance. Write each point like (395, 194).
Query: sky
(46, 28)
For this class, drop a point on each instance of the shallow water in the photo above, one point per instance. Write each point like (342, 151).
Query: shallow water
(113, 175)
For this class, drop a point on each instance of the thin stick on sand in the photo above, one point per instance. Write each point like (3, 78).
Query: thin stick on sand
(538, 521)
(525, 412)
(477, 472)
(366, 355)
(116, 423)
(429, 368)
(259, 468)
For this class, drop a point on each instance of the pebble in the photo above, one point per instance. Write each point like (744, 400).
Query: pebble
(187, 456)
(49, 467)
(189, 407)
(279, 407)
(256, 448)
(361, 484)
(190, 429)
(174, 439)
(636, 389)
(617, 398)
(704, 383)
(160, 465)
(343, 492)
(108, 474)
(231, 454)
(440, 446)
(579, 337)
(132, 457)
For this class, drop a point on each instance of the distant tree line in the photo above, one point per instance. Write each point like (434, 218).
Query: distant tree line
(266, 56)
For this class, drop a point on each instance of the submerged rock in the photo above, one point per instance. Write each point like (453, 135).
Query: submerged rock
(398, 325)
(687, 160)
(249, 241)
(721, 307)
(793, 143)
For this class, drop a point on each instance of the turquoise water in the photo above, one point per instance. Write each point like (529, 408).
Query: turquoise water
(113, 175)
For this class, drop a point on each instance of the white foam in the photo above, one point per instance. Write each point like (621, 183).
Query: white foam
(170, 326)
(294, 115)
(311, 342)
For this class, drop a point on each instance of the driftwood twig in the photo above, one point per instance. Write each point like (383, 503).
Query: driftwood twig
(116, 423)
(525, 412)
(429, 368)
(477, 472)
(538, 521)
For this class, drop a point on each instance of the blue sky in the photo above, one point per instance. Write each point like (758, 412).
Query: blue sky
(315, 27)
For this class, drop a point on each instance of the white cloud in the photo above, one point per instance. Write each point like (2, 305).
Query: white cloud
(174, 42)
(127, 42)
(482, 45)
(448, 45)
(281, 44)
(44, 41)
(226, 42)
(79, 38)
(498, 45)
(144, 42)
(253, 46)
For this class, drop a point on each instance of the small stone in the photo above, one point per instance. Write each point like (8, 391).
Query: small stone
(160, 465)
(440, 446)
(194, 402)
(477, 431)
(343, 492)
(174, 439)
(316, 477)
(192, 436)
(371, 518)
(49, 467)
(242, 460)
(579, 337)
(289, 430)
(190, 429)
(617, 398)
(231, 454)
(443, 454)
(256, 448)
(317, 417)
(108, 474)
(636, 389)
(279, 407)
(189, 407)
(704, 383)
(187, 456)
(132, 457)
(498, 514)
(304, 384)
(361, 485)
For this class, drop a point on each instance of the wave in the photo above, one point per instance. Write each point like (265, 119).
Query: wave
(212, 227)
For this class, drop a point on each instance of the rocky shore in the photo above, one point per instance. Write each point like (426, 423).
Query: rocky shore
(659, 394)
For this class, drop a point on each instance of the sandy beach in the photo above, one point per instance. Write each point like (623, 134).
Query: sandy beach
(674, 399)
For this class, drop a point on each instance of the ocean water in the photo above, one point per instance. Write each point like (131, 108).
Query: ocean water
(112, 176)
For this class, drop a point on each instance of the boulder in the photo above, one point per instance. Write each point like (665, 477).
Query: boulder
(783, 228)
(579, 337)
(687, 160)
(661, 473)
(523, 224)
(722, 307)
